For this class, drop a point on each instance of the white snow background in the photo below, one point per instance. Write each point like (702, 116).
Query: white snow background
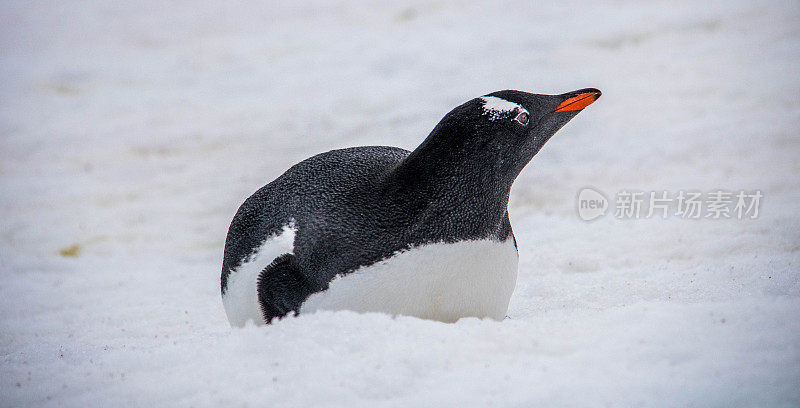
(130, 132)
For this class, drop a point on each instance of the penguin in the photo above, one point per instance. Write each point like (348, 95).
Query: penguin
(422, 233)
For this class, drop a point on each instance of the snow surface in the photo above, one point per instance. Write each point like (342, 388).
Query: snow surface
(130, 132)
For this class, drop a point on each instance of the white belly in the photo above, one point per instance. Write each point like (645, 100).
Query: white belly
(241, 295)
(442, 282)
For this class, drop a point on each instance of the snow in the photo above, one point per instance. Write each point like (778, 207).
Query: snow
(130, 132)
(494, 107)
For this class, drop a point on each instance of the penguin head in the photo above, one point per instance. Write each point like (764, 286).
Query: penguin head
(499, 133)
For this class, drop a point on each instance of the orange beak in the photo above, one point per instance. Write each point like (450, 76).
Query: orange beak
(578, 102)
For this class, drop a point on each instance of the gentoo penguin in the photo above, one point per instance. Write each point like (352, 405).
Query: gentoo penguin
(381, 229)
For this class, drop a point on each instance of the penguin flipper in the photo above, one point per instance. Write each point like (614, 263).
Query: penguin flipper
(282, 288)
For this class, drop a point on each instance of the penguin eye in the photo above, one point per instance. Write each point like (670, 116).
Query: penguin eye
(522, 118)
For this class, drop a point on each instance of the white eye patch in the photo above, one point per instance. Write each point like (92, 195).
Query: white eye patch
(496, 108)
